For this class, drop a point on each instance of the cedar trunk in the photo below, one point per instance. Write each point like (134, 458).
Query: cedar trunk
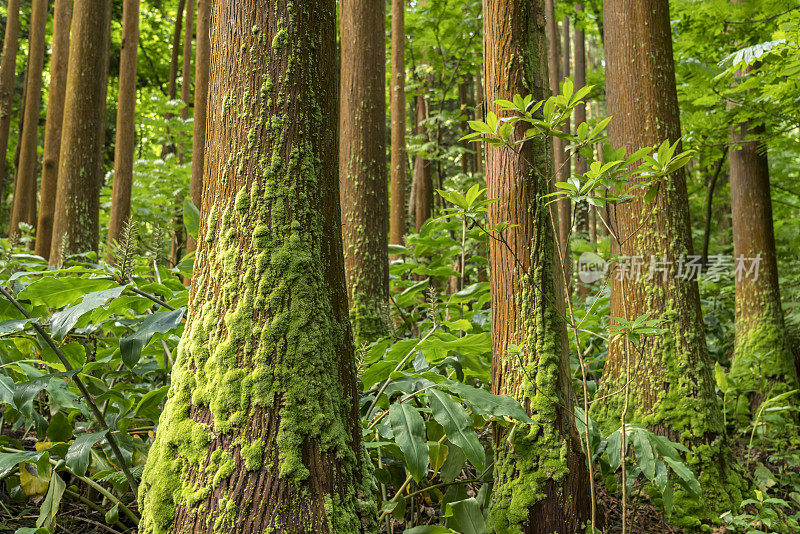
(362, 165)
(564, 171)
(126, 108)
(59, 60)
(8, 67)
(399, 162)
(579, 53)
(525, 294)
(670, 374)
(260, 431)
(201, 64)
(760, 331)
(80, 165)
(24, 209)
(423, 182)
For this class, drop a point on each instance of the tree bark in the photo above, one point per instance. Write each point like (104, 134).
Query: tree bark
(362, 165)
(670, 374)
(423, 194)
(579, 52)
(59, 60)
(24, 208)
(397, 217)
(480, 106)
(564, 171)
(760, 340)
(525, 294)
(260, 431)
(467, 105)
(8, 67)
(80, 166)
(201, 64)
(186, 71)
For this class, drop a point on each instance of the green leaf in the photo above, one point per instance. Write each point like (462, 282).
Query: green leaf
(58, 292)
(467, 517)
(49, 506)
(8, 460)
(685, 474)
(78, 453)
(429, 529)
(157, 323)
(457, 425)
(666, 498)
(148, 406)
(409, 434)
(59, 428)
(484, 403)
(644, 454)
(191, 217)
(63, 321)
(112, 516)
(720, 377)
(6, 389)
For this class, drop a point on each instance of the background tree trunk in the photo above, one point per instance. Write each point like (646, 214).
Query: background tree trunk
(671, 374)
(480, 106)
(579, 52)
(201, 64)
(362, 165)
(80, 166)
(564, 171)
(126, 124)
(397, 197)
(261, 429)
(59, 60)
(423, 182)
(24, 209)
(8, 68)
(524, 293)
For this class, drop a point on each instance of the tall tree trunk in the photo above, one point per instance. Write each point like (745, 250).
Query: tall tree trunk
(670, 374)
(423, 194)
(172, 82)
(80, 166)
(126, 130)
(564, 171)
(8, 67)
(760, 331)
(201, 64)
(579, 52)
(467, 105)
(260, 431)
(59, 59)
(186, 71)
(24, 209)
(362, 165)
(523, 292)
(480, 106)
(397, 197)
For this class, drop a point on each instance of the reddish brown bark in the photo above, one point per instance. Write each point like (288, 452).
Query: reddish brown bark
(8, 67)
(24, 209)
(480, 106)
(423, 181)
(80, 166)
(59, 60)
(581, 166)
(126, 130)
(399, 161)
(201, 64)
(564, 170)
(525, 294)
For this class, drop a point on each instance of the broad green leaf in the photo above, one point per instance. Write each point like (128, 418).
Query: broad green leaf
(78, 454)
(644, 453)
(685, 474)
(58, 292)
(8, 460)
(63, 321)
(457, 425)
(49, 506)
(157, 323)
(191, 217)
(484, 403)
(409, 434)
(467, 517)
(429, 529)
(59, 428)
(148, 406)
(6, 389)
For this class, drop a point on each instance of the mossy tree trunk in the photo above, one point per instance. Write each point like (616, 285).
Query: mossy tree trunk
(760, 337)
(399, 162)
(80, 162)
(56, 93)
(362, 165)
(260, 431)
(201, 65)
(126, 123)
(541, 481)
(8, 67)
(24, 209)
(423, 181)
(671, 385)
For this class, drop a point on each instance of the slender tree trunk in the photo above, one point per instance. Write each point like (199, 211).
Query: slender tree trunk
(24, 209)
(480, 106)
(80, 165)
(711, 186)
(172, 83)
(260, 432)
(397, 218)
(8, 67)
(465, 100)
(760, 339)
(201, 64)
(564, 171)
(423, 194)
(126, 130)
(579, 52)
(362, 165)
(524, 291)
(186, 71)
(670, 374)
(59, 60)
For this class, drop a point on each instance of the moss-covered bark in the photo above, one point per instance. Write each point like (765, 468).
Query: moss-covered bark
(260, 431)
(671, 389)
(362, 165)
(762, 360)
(541, 483)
